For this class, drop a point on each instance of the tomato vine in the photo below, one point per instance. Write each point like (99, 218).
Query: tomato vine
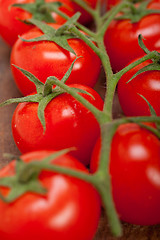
(101, 178)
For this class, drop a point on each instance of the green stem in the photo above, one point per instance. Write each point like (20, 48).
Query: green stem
(110, 93)
(101, 183)
(140, 121)
(108, 203)
(86, 40)
(99, 115)
(64, 170)
(80, 26)
(110, 79)
(105, 59)
(98, 6)
(48, 87)
(110, 83)
(40, 1)
(115, 11)
(107, 132)
(85, 6)
(107, 14)
(151, 55)
(97, 16)
(151, 129)
(103, 173)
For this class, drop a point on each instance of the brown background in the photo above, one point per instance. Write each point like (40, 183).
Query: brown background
(9, 90)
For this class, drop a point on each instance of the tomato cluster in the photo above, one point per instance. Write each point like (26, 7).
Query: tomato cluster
(70, 208)
(14, 16)
(64, 210)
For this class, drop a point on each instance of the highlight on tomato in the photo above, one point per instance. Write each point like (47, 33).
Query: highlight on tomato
(121, 38)
(135, 174)
(46, 58)
(15, 16)
(12, 18)
(68, 208)
(68, 124)
(136, 94)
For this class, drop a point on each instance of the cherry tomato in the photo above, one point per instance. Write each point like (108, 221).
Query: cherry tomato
(45, 58)
(11, 18)
(68, 124)
(13, 25)
(70, 210)
(130, 94)
(85, 16)
(121, 38)
(135, 174)
(112, 3)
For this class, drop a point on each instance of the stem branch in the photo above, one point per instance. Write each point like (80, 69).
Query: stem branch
(103, 173)
(99, 115)
(151, 55)
(112, 15)
(80, 26)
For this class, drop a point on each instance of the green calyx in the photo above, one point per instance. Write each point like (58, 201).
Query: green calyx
(45, 91)
(135, 13)
(59, 36)
(154, 66)
(156, 130)
(26, 177)
(40, 9)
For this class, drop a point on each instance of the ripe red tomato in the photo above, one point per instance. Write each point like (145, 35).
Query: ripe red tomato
(135, 174)
(68, 124)
(146, 84)
(44, 59)
(121, 38)
(112, 3)
(70, 210)
(85, 16)
(11, 27)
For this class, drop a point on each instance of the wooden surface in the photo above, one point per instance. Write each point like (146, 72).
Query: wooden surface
(9, 90)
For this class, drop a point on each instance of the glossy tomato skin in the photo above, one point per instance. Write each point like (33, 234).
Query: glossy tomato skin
(68, 124)
(44, 59)
(146, 84)
(121, 38)
(64, 213)
(11, 27)
(135, 174)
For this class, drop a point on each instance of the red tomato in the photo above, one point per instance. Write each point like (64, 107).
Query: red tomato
(11, 27)
(64, 213)
(112, 3)
(48, 59)
(121, 38)
(68, 124)
(146, 84)
(85, 16)
(135, 174)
